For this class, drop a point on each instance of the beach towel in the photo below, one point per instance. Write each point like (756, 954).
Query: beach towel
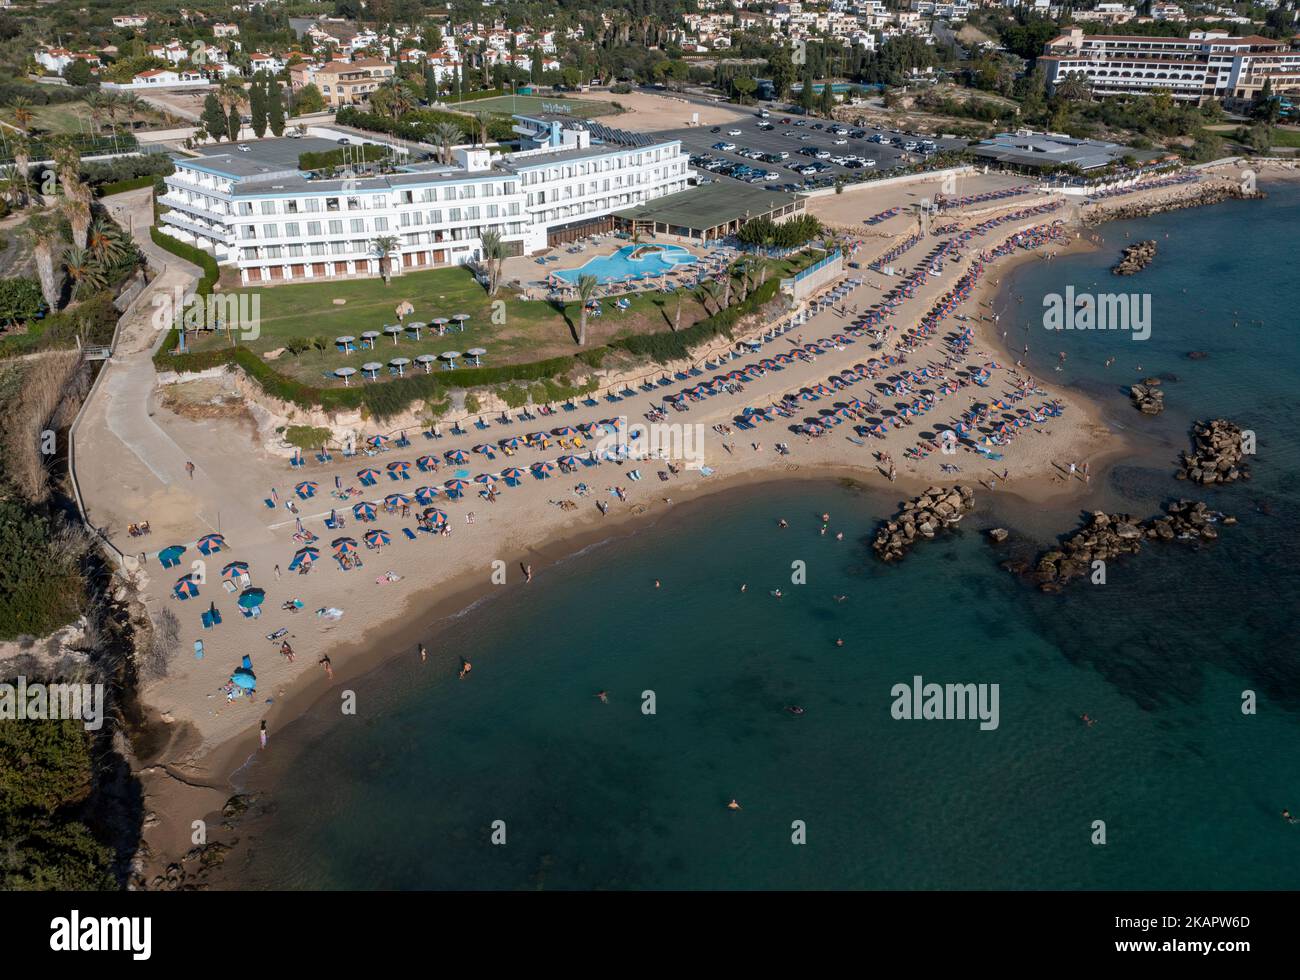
(198, 649)
(706, 471)
(635, 474)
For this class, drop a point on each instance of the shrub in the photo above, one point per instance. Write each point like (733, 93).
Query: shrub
(190, 254)
(40, 581)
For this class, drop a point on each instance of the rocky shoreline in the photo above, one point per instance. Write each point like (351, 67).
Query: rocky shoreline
(1134, 259)
(1108, 536)
(1214, 194)
(920, 518)
(1218, 454)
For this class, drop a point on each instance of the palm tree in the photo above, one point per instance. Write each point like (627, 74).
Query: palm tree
(384, 247)
(11, 185)
(76, 208)
(97, 104)
(22, 148)
(482, 118)
(446, 135)
(494, 253)
(677, 313)
(399, 98)
(586, 289)
(47, 243)
(67, 161)
(84, 270)
(21, 109)
(133, 104)
(105, 242)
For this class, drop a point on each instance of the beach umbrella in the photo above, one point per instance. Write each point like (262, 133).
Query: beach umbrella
(251, 598)
(512, 475)
(460, 319)
(306, 489)
(364, 511)
(243, 677)
(377, 537)
(415, 326)
(457, 456)
(400, 363)
(210, 544)
(434, 516)
(186, 587)
(399, 467)
(487, 479)
(542, 469)
(343, 546)
(426, 463)
(441, 323)
(372, 369)
(426, 495)
(396, 500)
(509, 443)
(367, 475)
(426, 360)
(171, 554)
(616, 423)
(346, 343)
(394, 330)
(587, 428)
(450, 357)
(234, 572)
(345, 373)
(485, 450)
(565, 431)
(455, 487)
(303, 556)
(567, 461)
(368, 338)
(476, 353)
(541, 439)
(377, 442)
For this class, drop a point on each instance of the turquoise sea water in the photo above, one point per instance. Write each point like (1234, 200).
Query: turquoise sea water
(593, 795)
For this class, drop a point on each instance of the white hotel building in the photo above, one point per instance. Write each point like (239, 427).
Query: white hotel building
(257, 211)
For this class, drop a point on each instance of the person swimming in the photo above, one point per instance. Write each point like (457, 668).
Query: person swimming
(603, 696)
(841, 598)
(733, 805)
(782, 523)
(794, 709)
(776, 593)
(1089, 722)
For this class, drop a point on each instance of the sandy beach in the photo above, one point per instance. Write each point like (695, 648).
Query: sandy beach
(200, 739)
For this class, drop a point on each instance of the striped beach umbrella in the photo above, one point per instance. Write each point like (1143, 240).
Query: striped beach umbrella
(367, 475)
(210, 544)
(303, 556)
(455, 488)
(614, 423)
(426, 495)
(399, 468)
(186, 587)
(377, 537)
(364, 511)
(542, 469)
(306, 489)
(435, 517)
(235, 571)
(457, 456)
(512, 475)
(344, 546)
(565, 432)
(487, 479)
(587, 428)
(541, 439)
(396, 500)
(377, 442)
(510, 442)
(567, 461)
(485, 450)
(426, 463)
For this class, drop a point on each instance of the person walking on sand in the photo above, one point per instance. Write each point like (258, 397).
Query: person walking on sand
(277, 573)
(189, 468)
(424, 654)
(262, 734)
(329, 667)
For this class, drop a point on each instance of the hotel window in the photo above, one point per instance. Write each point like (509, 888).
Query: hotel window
(357, 226)
(331, 204)
(339, 248)
(317, 248)
(381, 224)
(472, 213)
(291, 207)
(247, 231)
(454, 214)
(360, 245)
(492, 210)
(378, 201)
(336, 227)
(268, 207)
(354, 204)
(245, 208)
(291, 229)
(435, 217)
(313, 204)
(404, 219)
(313, 227)
(270, 231)
(273, 251)
(295, 251)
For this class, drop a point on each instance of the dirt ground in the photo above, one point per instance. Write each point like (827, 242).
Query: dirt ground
(648, 113)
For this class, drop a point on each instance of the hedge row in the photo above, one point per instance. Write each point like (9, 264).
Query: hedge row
(134, 184)
(190, 254)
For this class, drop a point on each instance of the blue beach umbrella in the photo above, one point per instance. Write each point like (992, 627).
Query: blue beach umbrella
(306, 489)
(364, 511)
(185, 587)
(303, 556)
(210, 544)
(251, 598)
(377, 537)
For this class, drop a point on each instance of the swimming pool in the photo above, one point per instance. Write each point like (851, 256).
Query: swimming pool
(630, 260)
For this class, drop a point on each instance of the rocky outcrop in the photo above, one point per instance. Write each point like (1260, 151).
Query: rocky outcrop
(1148, 397)
(1108, 536)
(1217, 456)
(931, 512)
(998, 534)
(1135, 258)
(1197, 196)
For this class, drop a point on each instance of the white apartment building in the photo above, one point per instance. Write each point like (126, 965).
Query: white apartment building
(257, 211)
(1205, 65)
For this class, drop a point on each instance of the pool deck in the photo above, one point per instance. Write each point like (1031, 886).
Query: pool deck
(525, 270)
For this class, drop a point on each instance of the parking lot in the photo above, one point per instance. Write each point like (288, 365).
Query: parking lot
(826, 156)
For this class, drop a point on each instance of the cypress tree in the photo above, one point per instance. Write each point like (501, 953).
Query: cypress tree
(275, 108)
(214, 120)
(233, 123)
(257, 104)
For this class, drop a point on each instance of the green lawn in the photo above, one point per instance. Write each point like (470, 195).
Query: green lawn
(523, 331)
(507, 104)
(1286, 137)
